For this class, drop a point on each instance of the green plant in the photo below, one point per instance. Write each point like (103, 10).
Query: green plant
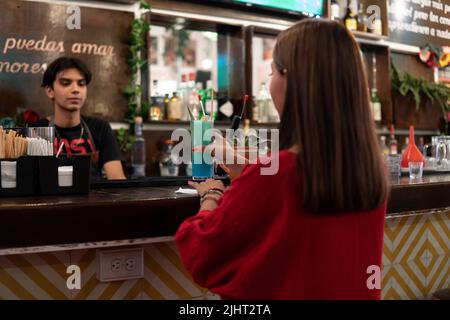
(419, 87)
(125, 139)
(138, 49)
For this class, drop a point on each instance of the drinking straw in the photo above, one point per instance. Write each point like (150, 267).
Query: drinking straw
(1, 143)
(212, 107)
(237, 119)
(190, 113)
(201, 105)
(245, 104)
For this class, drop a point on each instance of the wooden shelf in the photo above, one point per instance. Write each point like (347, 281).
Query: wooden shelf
(369, 36)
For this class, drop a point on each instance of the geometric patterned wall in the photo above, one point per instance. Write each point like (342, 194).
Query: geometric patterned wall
(43, 276)
(416, 259)
(416, 262)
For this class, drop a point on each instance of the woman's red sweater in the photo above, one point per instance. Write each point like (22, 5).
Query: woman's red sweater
(261, 243)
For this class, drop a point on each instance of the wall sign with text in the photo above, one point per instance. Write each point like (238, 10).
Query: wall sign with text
(418, 22)
(33, 34)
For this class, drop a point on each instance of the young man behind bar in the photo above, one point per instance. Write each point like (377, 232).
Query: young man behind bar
(65, 82)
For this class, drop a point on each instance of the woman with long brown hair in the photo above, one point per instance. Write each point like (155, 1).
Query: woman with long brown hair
(313, 230)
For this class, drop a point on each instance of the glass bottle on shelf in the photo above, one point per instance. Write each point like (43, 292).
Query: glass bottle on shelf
(194, 103)
(263, 101)
(422, 147)
(167, 166)
(200, 90)
(335, 10)
(405, 144)
(183, 96)
(138, 151)
(156, 112)
(350, 19)
(362, 19)
(208, 96)
(175, 112)
(166, 106)
(188, 99)
(255, 111)
(393, 146)
(374, 97)
(384, 147)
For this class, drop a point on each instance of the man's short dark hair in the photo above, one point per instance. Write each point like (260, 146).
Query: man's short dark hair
(62, 64)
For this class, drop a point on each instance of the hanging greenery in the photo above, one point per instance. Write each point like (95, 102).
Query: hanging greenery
(138, 49)
(125, 139)
(407, 84)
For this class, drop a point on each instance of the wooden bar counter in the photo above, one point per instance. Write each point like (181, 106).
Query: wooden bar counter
(415, 261)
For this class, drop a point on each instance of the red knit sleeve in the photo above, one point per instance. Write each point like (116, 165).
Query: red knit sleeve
(213, 244)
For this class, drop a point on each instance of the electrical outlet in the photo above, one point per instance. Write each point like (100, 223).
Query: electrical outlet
(120, 264)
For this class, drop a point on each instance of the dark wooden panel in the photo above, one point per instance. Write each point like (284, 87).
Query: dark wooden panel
(405, 113)
(43, 21)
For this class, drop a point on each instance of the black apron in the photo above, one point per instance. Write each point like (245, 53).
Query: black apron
(85, 133)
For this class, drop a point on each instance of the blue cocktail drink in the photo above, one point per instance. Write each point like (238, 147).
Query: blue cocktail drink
(202, 164)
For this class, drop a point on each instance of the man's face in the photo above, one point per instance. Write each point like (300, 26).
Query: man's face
(69, 90)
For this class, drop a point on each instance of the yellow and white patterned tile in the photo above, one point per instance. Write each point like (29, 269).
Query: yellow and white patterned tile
(34, 276)
(409, 236)
(439, 233)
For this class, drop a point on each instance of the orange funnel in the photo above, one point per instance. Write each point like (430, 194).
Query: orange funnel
(412, 153)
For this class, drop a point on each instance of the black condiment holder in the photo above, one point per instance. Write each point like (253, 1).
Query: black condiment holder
(26, 178)
(48, 174)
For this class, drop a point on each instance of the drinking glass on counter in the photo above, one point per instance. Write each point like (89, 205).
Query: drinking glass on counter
(415, 170)
(442, 153)
(394, 165)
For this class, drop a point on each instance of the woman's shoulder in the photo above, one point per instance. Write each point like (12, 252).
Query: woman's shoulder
(273, 166)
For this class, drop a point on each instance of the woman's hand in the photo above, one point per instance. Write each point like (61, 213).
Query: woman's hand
(202, 187)
(210, 202)
(223, 150)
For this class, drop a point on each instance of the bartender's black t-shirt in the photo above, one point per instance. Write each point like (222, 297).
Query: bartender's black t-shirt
(76, 140)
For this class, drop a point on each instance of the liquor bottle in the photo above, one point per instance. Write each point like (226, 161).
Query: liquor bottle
(175, 112)
(362, 19)
(194, 103)
(376, 105)
(405, 144)
(166, 106)
(422, 147)
(156, 112)
(393, 146)
(201, 92)
(167, 166)
(246, 127)
(350, 19)
(263, 108)
(374, 97)
(335, 11)
(444, 125)
(138, 151)
(208, 95)
(384, 147)
(183, 96)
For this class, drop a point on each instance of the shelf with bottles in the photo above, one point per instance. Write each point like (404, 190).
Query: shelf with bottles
(377, 61)
(365, 18)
